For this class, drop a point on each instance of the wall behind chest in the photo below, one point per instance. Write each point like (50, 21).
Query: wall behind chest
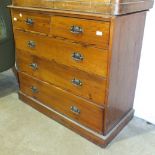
(145, 93)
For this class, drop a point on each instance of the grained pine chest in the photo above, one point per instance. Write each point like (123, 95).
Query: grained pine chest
(78, 61)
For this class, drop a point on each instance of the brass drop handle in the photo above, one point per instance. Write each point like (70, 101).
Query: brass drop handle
(77, 56)
(34, 89)
(76, 29)
(77, 82)
(75, 110)
(34, 66)
(31, 44)
(29, 21)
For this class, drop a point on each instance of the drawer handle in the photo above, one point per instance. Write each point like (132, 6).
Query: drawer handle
(34, 66)
(29, 21)
(76, 29)
(34, 89)
(77, 82)
(75, 110)
(77, 56)
(31, 44)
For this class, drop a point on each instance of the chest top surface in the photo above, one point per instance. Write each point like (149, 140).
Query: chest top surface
(109, 7)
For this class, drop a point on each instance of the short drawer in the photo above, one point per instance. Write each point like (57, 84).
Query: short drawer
(90, 32)
(80, 83)
(69, 105)
(31, 21)
(86, 58)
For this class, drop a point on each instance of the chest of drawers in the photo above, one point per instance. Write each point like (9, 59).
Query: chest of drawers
(78, 68)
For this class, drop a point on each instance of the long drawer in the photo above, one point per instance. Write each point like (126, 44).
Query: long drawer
(69, 105)
(86, 85)
(82, 30)
(31, 21)
(89, 59)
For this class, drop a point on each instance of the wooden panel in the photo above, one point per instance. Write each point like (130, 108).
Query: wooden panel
(76, 14)
(33, 3)
(61, 101)
(124, 65)
(40, 22)
(95, 6)
(128, 6)
(95, 60)
(92, 88)
(111, 7)
(94, 32)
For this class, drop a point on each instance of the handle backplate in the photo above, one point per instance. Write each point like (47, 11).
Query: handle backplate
(75, 110)
(34, 89)
(76, 29)
(34, 66)
(29, 21)
(77, 56)
(31, 44)
(77, 82)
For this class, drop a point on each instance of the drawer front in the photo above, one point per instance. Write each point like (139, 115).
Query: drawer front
(31, 21)
(88, 86)
(88, 59)
(95, 33)
(74, 107)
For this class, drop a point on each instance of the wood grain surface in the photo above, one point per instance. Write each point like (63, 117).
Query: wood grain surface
(41, 22)
(94, 60)
(126, 43)
(92, 88)
(62, 101)
(112, 7)
(94, 32)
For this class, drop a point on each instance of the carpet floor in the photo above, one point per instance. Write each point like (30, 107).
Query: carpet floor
(25, 131)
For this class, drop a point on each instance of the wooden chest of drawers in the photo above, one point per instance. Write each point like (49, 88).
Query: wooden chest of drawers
(79, 68)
